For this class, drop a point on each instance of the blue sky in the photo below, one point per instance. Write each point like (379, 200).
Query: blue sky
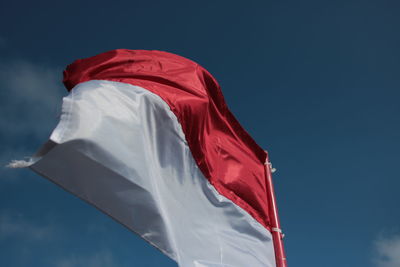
(316, 83)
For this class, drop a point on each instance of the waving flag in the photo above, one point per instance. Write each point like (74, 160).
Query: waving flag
(147, 138)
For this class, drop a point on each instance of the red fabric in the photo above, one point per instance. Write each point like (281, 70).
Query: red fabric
(225, 153)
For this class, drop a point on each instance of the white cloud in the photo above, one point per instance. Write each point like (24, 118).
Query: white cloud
(17, 226)
(100, 259)
(30, 103)
(387, 250)
(30, 97)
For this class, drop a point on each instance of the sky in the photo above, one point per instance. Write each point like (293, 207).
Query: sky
(316, 83)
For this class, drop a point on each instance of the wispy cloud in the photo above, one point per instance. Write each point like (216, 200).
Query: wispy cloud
(30, 96)
(33, 237)
(17, 226)
(100, 259)
(30, 102)
(387, 250)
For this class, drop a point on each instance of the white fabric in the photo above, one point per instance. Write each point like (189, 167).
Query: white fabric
(120, 148)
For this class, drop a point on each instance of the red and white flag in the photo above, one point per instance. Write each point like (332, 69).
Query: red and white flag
(147, 138)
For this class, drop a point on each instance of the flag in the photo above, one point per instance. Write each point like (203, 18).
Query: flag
(147, 138)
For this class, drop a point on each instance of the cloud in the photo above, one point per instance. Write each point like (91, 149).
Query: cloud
(17, 226)
(30, 103)
(30, 97)
(50, 242)
(387, 250)
(100, 259)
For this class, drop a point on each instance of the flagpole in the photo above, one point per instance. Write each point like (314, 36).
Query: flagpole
(276, 231)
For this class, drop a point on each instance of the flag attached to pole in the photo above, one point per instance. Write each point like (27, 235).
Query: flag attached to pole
(147, 138)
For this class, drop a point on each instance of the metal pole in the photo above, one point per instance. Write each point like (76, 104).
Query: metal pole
(276, 231)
